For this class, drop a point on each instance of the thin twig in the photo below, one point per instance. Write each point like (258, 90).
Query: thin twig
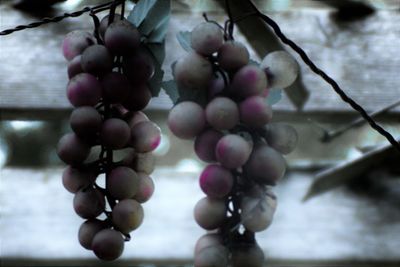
(330, 135)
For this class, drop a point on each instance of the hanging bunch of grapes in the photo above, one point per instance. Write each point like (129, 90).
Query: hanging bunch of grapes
(222, 104)
(109, 74)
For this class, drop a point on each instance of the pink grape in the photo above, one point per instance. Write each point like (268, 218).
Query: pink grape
(255, 112)
(282, 137)
(136, 117)
(84, 90)
(138, 98)
(281, 68)
(186, 120)
(193, 72)
(206, 38)
(72, 150)
(209, 213)
(145, 136)
(108, 244)
(205, 144)
(265, 165)
(122, 37)
(115, 133)
(97, 60)
(222, 113)
(89, 203)
(88, 230)
(232, 151)
(74, 66)
(232, 56)
(116, 87)
(85, 121)
(146, 188)
(74, 179)
(216, 181)
(248, 80)
(122, 182)
(127, 215)
(76, 42)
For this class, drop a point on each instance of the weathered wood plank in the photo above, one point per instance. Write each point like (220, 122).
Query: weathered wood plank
(337, 227)
(361, 56)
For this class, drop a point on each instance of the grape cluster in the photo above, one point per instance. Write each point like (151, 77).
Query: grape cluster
(234, 134)
(108, 87)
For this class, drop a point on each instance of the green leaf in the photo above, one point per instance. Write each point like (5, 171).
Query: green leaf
(253, 62)
(140, 11)
(195, 95)
(157, 52)
(171, 90)
(159, 33)
(274, 96)
(184, 40)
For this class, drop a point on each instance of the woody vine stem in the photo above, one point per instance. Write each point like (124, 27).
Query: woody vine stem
(335, 86)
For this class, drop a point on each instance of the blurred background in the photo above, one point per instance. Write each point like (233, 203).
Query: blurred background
(347, 172)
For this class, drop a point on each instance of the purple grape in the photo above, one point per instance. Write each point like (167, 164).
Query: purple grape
(205, 144)
(72, 150)
(104, 23)
(108, 244)
(145, 136)
(122, 38)
(208, 240)
(85, 121)
(216, 87)
(74, 179)
(193, 72)
(249, 255)
(146, 188)
(84, 90)
(186, 120)
(76, 42)
(216, 181)
(282, 137)
(138, 98)
(74, 66)
(206, 38)
(265, 165)
(140, 162)
(127, 215)
(122, 182)
(209, 213)
(88, 230)
(232, 56)
(255, 112)
(212, 256)
(116, 87)
(139, 66)
(115, 133)
(249, 80)
(222, 113)
(257, 213)
(89, 203)
(97, 60)
(232, 151)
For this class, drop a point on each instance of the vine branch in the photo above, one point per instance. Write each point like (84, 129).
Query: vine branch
(44, 21)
